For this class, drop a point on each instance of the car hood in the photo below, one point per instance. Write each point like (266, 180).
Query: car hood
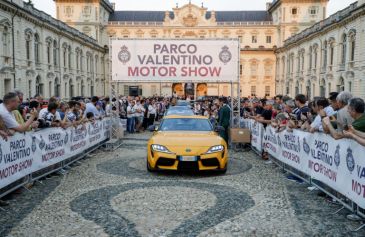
(183, 139)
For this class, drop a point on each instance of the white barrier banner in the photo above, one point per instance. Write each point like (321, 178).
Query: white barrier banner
(340, 164)
(26, 153)
(257, 130)
(175, 60)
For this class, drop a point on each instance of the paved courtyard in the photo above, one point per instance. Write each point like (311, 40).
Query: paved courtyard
(112, 194)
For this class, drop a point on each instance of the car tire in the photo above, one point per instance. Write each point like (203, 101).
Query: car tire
(149, 168)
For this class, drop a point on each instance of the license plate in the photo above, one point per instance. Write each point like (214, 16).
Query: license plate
(188, 158)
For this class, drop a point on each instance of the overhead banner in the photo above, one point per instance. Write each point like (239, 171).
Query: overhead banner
(175, 60)
(26, 153)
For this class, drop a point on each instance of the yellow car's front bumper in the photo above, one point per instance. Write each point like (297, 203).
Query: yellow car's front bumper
(167, 161)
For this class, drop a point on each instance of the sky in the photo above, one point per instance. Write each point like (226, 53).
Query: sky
(48, 6)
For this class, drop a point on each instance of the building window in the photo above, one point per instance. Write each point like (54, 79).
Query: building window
(69, 57)
(254, 39)
(55, 54)
(253, 90)
(81, 59)
(352, 47)
(5, 40)
(310, 57)
(268, 39)
(38, 86)
(241, 69)
(240, 39)
(49, 44)
(315, 54)
(325, 54)
(267, 91)
(313, 11)
(254, 68)
(86, 11)
(77, 59)
(69, 11)
(344, 49)
(332, 53)
(28, 41)
(294, 11)
(65, 56)
(36, 48)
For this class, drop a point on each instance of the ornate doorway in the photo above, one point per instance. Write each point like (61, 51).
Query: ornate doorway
(201, 90)
(178, 88)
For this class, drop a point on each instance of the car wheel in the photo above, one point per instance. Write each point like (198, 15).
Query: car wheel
(149, 168)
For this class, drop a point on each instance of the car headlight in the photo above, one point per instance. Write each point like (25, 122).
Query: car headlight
(215, 149)
(160, 148)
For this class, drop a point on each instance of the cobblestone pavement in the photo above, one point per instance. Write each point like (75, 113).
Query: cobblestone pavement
(112, 194)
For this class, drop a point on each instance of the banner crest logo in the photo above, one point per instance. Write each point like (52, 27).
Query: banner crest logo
(350, 160)
(306, 147)
(337, 158)
(225, 55)
(124, 55)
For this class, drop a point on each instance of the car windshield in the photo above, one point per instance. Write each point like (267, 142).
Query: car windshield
(186, 111)
(185, 124)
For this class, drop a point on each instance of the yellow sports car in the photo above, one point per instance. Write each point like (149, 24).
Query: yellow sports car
(186, 143)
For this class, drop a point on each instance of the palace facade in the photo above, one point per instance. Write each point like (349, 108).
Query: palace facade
(329, 56)
(68, 56)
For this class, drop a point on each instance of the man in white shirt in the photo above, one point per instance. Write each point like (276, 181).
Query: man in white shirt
(323, 109)
(139, 115)
(91, 107)
(10, 103)
(130, 116)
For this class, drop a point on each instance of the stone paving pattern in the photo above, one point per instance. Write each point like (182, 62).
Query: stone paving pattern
(112, 194)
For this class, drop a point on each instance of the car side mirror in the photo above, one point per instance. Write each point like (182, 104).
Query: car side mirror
(219, 128)
(153, 128)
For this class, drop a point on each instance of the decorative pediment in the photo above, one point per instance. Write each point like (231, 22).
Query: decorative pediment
(190, 20)
(189, 15)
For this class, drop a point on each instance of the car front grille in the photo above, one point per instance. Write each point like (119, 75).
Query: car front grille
(165, 162)
(210, 162)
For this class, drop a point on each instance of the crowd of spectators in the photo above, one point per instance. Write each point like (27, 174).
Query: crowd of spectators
(17, 115)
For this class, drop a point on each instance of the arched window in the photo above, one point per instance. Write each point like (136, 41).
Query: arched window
(309, 89)
(352, 37)
(315, 55)
(332, 53)
(64, 55)
(96, 64)
(55, 53)
(57, 87)
(310, 57)
(325, 53)
(36, 49)
(49, 50)
(341, 85)
(344, 49)
(322, 89)
(38, 86)
(28, 44)
(71, 89)
(82, 88)
(5, 39)
(77, 58)
(69, 57)
(81, 60)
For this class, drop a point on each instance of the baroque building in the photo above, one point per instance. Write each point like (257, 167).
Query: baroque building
(69, 56)
(329, 56)
(42, 55)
